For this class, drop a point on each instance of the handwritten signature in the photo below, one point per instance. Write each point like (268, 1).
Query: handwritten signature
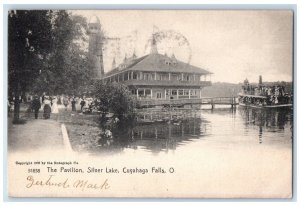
(78, 183)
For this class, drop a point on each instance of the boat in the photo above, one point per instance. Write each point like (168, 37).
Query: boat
(267, 106)
(264, 96)
(260, 102)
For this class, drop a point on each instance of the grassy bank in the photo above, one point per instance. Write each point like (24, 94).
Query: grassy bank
(83, 129)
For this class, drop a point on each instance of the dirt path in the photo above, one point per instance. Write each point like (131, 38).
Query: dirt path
(40, 134)
(36, 134)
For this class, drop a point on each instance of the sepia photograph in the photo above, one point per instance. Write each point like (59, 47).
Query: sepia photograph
(150, 103)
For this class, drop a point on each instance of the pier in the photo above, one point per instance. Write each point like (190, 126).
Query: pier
(213, 101)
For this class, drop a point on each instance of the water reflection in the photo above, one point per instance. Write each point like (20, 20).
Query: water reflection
(168, 136)
(221, 127)
(153, 137)
(268, 120)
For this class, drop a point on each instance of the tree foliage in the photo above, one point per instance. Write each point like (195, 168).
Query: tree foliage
(115, 98)
(45, 53)
(29, 40)
(67, 68)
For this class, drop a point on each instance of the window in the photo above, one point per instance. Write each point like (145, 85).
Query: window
(186, 92)
(162, 76)
(133, 91)
(174, 92)
(158, 76)
(147, 76)
(141, 93)
(192, 92)
(167, 92)
(134, 75)
(166, 77)
(180, 92)
(153, 76)
(147, 92)
(174, 77)
(168, 62)
(158, 95)
(125, 76)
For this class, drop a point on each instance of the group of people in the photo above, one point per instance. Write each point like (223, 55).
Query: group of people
(50, 104)
(270, 95)
(85, 103)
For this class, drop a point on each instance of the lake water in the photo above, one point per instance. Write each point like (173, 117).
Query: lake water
(215, 153)
(219, 128)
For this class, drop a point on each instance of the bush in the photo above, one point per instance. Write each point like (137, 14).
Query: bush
(114, 98)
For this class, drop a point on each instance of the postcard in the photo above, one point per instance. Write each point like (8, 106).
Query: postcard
(150, 103)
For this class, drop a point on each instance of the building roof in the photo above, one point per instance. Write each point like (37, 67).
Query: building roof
(156, 62)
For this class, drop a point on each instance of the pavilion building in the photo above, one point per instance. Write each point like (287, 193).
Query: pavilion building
(160, 77)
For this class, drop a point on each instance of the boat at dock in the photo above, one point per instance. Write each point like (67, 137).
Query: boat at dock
(265, 106)
(265, 96)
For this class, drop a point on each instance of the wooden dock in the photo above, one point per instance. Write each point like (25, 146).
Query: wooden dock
(232, 101)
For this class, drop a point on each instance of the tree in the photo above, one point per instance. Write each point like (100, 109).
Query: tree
(45, 53)
(29, 41)
(115, 98)
(67, 69)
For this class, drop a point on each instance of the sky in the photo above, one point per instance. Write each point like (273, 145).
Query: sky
(233, 45)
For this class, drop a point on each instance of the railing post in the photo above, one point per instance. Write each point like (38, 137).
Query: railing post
(212, 104)
(165, 94)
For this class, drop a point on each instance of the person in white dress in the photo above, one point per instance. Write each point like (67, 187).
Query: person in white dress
(54, 107)
(47, 107)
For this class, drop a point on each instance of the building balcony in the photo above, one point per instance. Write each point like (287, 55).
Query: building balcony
(166, 83)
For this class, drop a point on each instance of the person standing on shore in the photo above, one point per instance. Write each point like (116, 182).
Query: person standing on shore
(43, 97)
(54, 107)
(73, 102)
(47, 107)
(36, 105)
(82, 104)
(66, 102)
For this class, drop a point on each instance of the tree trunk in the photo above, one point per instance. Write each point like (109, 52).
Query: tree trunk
(16, 103)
